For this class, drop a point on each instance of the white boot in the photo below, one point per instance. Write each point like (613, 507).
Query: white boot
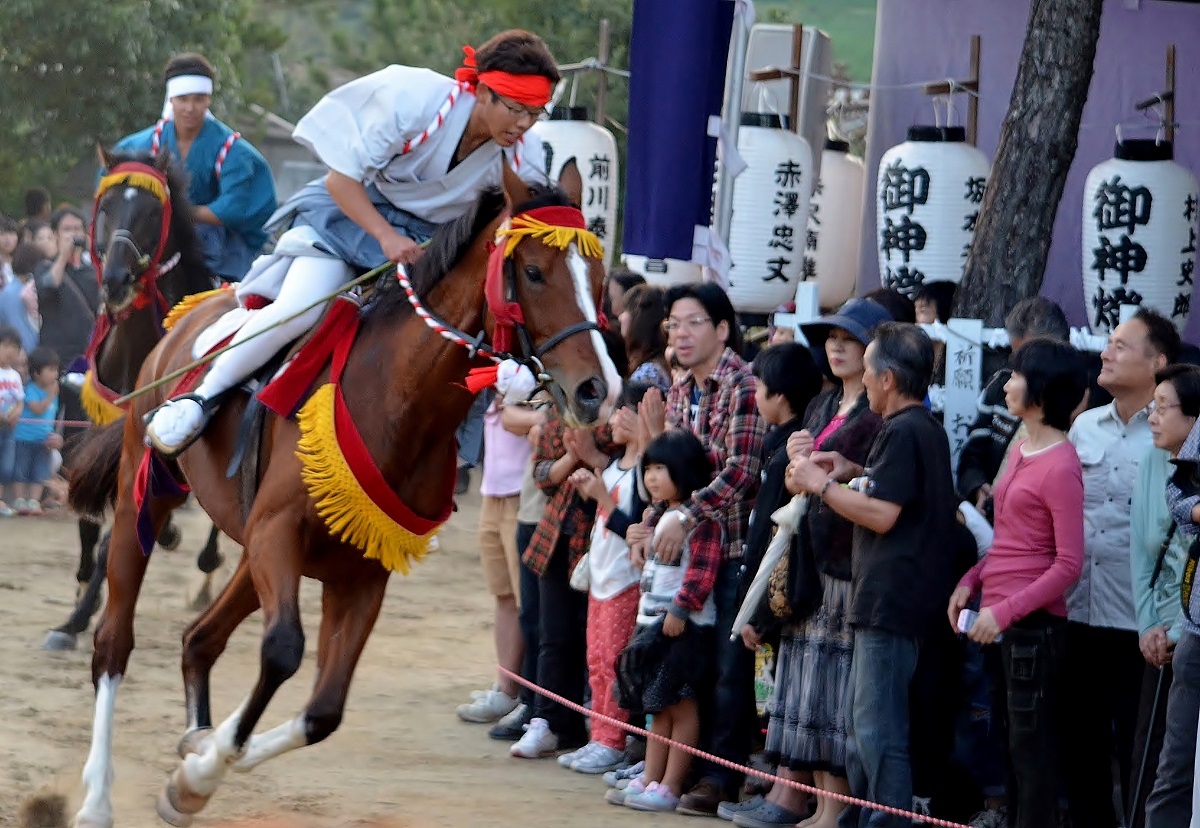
(176, 424)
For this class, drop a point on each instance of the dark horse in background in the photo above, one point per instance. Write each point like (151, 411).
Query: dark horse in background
(149, 260)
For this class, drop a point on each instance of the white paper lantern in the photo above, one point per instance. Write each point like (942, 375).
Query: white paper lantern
(770, 215)
(1139, 234)
(835, 215)
(928, 191)
(664, 272)
(570, 135)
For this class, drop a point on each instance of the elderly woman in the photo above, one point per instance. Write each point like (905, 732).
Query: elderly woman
(807, 731)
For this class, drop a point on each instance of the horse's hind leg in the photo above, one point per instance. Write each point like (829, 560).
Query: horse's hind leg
(63, 637)
(208, 562)
(203, 642)
(275, 560)
(349, 609)
(113, 645)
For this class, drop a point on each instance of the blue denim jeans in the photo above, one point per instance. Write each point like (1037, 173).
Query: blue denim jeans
(877, 762)
(1170, 802)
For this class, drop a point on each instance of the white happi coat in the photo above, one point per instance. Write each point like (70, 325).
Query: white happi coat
(360, 130)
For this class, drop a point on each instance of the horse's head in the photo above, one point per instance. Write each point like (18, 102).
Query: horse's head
(131, 223)
(549, 264)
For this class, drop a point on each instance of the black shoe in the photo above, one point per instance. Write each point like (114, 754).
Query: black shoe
(464, 480)
(511, 731)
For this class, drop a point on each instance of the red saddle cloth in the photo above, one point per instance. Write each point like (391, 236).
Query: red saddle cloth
(286, 393)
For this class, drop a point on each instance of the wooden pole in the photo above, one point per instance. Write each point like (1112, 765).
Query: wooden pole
(973, 97)
(602, 80)
(794, 91)
(1170, 103)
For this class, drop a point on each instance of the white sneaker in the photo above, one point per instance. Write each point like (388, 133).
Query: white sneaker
(566, 759)
(600, 759)
(513, 718)
(175, 423)
(537, 743)
(491, 706)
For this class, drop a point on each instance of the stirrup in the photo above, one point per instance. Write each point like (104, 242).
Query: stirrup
(208, 408)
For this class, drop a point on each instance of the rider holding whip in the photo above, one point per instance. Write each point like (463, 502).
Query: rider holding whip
(408, 149)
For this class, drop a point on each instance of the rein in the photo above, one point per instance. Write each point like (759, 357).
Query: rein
(557, 227)
(151, 267)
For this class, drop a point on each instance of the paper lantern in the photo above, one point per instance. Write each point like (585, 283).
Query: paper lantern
(1139, 234)
(928, 191)
(664, 272)
(570, 135)
(835, 215)
(770, 215)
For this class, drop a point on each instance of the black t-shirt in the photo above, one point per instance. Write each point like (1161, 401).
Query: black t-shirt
(69, 310)
(903, 579)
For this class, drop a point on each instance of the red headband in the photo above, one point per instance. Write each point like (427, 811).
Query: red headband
(528, 90)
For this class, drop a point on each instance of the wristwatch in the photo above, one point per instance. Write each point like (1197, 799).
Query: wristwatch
(825, 488)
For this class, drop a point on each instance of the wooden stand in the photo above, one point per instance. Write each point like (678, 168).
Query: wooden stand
(792, 74)
(598, 64)
(1166, 97)
(970, 86)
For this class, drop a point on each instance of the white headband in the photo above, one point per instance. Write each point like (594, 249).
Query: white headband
(185, 85)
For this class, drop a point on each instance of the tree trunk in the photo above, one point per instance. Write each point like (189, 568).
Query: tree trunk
(1037, 145)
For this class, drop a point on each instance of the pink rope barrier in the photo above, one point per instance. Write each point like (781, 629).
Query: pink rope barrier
(717, 760)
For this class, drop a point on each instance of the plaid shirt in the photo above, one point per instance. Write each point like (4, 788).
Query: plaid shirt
(705, 546)
(731, 430)
(566, 512)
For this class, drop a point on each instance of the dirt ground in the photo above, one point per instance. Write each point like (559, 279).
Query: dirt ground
(401, 755)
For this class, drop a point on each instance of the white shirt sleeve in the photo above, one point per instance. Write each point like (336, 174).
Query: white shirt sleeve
(358, 128)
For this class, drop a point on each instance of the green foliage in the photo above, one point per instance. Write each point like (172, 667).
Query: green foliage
(94, 74)
(850, 24)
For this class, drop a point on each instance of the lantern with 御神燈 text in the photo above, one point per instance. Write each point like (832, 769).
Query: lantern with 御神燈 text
(1139, 234)
(929, 191)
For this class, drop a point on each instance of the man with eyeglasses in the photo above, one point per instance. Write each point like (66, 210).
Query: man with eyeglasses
(715, 401)
(408, 149)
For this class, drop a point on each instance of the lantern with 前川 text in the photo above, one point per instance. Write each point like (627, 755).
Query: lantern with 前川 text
(568, 134)
(929, 191)
(768, 231)
(1139, 234)
(831, 248)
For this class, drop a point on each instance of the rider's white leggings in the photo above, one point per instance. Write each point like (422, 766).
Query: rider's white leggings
(308, 279)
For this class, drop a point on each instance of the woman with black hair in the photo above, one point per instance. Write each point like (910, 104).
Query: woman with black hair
(642, 320)
(1036, 555)
(616, 288)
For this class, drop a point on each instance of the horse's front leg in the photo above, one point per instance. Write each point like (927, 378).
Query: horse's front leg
(349, 608)
(113, 645)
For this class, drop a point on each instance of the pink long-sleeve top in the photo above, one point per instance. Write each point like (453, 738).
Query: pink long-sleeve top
(1037, 553)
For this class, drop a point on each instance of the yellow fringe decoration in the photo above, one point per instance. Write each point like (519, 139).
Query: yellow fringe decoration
(348, 512)
(99, 410)
(552, 235)
(188, 304)
(143, 181)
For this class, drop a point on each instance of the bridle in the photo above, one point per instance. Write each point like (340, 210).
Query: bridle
(150, 267)
(557, 227)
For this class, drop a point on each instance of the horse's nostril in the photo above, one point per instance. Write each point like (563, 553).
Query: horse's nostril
(591, 392)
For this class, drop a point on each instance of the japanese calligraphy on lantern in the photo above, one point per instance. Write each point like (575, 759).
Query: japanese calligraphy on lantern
(1139, 235)
(570, 137)
(769, 233)
(929, 192)
(964, 364)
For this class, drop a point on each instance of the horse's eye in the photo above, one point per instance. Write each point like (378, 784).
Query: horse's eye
(534, 274)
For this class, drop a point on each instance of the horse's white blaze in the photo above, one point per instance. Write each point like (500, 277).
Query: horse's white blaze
(96, 809)
(204, 771)
(275, 742)
(130, 193)
(583, 295)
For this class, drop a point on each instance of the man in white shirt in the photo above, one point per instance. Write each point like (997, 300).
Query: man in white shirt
(1104, 665)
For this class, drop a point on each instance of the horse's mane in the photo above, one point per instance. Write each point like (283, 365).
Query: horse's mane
(192, 268)
(450, 242)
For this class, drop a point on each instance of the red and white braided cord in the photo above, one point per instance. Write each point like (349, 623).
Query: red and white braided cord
(438, 120)
(436, 325)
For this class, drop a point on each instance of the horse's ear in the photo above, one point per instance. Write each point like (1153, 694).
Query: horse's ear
(162, 160)
(107, 160)
(515, 190)
(570, 181)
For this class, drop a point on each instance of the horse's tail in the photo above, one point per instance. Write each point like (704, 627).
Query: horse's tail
(95, 462)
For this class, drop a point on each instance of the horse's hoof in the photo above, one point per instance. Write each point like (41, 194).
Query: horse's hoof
(168, 814)
(83, 820)
(169, 537)
(203, 597)
(178, 801)
(194, 741)
(57, 641)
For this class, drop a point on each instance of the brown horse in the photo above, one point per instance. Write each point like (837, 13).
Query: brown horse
(143, 241)
(401, 387)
